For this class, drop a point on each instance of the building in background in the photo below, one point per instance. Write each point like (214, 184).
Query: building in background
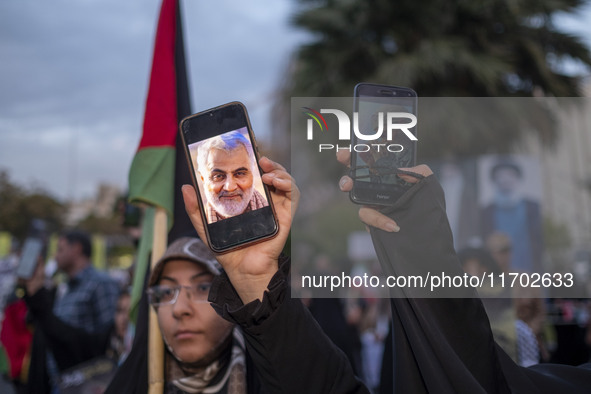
(102, 205)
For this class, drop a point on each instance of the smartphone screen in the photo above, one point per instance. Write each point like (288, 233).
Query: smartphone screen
(235, 204)
(384, 115)
(29, 258)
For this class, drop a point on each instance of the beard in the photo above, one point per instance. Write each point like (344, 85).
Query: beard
(229, 207)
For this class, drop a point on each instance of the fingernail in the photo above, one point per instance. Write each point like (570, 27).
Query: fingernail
(342, 182)
(392, 227)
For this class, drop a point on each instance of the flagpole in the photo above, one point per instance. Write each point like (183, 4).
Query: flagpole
(155, 342)
(155, 170)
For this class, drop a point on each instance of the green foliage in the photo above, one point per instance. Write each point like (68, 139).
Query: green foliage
(18, 207)
(100, 225)
(440, 48)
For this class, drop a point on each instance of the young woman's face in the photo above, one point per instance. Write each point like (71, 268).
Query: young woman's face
(192, 329)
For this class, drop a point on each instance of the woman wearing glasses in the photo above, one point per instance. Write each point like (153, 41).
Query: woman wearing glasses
(256, 339)
(204, 350)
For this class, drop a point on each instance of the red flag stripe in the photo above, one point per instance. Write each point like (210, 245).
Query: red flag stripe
(160, 120)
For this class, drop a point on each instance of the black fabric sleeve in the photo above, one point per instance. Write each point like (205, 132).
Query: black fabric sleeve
(290, 351)
(445, 345)
(69, 345)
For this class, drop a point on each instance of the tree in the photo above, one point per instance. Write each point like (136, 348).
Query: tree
(18, 207)
(102, 225)
(441, 48)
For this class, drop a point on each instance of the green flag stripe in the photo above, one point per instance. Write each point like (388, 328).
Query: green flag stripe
(142, 263)
(151, 177)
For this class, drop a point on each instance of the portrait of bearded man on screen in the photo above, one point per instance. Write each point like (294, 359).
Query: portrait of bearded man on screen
(227, 170)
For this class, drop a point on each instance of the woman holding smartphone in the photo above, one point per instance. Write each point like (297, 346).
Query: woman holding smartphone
(260, 340)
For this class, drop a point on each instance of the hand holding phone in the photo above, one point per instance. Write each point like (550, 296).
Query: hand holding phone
(251, 268)
(368, 214)
(384, 142)
(240, 205)
(36, 281)
(234, 202)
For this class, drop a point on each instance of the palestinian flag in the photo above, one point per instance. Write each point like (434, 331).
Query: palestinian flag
(157, 172)
(159, 167)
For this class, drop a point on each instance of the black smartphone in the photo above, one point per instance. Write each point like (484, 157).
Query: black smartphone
(235, 204)
(29, 258)
(32, 249)
(384, 138)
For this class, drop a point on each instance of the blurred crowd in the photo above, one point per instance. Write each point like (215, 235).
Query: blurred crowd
(529, 324)
(69, 315)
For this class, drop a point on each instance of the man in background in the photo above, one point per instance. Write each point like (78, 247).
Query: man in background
(72, 325)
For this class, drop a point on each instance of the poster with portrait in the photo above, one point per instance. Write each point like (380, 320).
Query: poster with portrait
(510, 207)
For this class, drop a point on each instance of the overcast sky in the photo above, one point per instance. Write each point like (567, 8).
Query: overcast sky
(74, 75)
(73, 79)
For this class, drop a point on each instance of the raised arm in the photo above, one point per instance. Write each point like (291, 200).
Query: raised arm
(445, 344)
(290, 351)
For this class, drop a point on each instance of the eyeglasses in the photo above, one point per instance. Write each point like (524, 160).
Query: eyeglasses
(167, 295)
